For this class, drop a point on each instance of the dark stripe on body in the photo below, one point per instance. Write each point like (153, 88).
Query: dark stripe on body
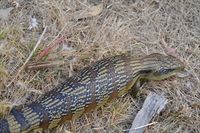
(92, 74)
(4, 126)
(68, 115)
(19, 116)
(42, 113)
(112, 78)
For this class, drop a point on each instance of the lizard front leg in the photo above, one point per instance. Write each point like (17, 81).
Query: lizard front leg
(136, 88)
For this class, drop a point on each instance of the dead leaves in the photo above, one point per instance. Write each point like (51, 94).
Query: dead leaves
(89, 12)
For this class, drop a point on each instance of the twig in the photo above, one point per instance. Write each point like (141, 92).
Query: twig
(153, 123)
(47, 50)
(29, 57)
(51, 45)
(42, 65)
(152, 105)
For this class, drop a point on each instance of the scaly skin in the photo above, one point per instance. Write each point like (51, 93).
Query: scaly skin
(90, 88)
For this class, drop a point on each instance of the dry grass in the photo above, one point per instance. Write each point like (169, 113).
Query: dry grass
(122, 26)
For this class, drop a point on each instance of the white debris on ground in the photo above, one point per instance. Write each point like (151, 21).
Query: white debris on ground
(33, 23)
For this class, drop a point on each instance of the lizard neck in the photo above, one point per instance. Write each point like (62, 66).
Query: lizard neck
(142, 66)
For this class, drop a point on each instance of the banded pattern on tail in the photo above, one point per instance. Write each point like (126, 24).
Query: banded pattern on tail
(87, 90)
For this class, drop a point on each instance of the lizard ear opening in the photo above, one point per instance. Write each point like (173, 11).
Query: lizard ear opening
(146, 71)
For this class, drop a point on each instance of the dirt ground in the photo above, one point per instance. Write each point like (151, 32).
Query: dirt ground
(43, 42)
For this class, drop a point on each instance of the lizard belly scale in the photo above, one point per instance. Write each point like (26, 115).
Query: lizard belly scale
(81, 93)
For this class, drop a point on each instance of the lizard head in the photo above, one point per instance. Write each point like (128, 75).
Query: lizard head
(162, 66)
